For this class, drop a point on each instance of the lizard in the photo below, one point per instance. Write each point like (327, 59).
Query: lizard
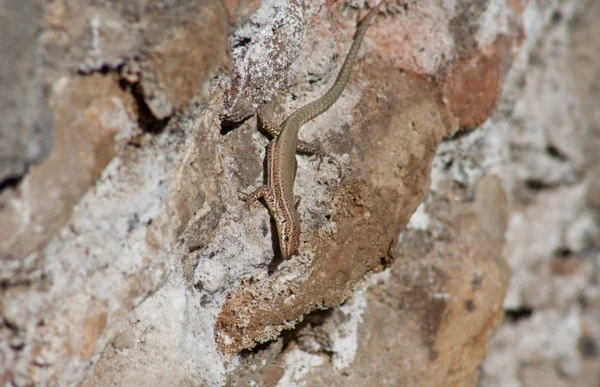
(278, 192)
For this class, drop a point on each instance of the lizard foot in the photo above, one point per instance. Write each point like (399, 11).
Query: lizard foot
(315, 148)
(252, 198)
(331, 160)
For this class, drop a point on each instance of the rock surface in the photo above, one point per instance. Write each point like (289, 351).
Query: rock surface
(552, 132)
(85, 233)
(25, 139)
(128, 258)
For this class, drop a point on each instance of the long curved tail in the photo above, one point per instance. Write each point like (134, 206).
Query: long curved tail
(315, 108)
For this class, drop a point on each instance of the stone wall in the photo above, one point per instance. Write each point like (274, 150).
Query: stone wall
(456, 244)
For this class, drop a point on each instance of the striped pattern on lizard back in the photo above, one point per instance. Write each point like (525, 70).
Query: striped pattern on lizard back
(281, 153)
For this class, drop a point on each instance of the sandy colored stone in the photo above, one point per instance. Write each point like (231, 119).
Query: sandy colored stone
(85, 234)
(176, 69)
(260, 68)
(552, 235)
(427, 319)
(369, 209)
(93, 326)
(402, 122)
(26, 119)
(94, 117)
(474, 84)
(167, 201)
(86, 36)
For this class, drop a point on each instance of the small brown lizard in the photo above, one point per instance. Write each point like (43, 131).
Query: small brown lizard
(278, 193)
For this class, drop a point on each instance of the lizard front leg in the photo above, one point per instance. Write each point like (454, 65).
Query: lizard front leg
(308, 148)
(273, 129)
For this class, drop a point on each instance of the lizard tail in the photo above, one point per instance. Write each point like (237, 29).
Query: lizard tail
(315, 108)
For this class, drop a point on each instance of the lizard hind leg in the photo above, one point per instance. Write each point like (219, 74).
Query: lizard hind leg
(337, 164)
(309, 148)
(312, 148)
(268, 124)
(315, 148)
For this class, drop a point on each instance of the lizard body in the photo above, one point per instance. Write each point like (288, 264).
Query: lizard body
(278, 193)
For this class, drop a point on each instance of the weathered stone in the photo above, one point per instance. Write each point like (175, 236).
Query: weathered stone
(428, 321)
(261, 67)
(89, 36)
(369, 209)
(82, 37)
(552, 132)
(424, 322)
(74, 293)
(84, 235)
(26, 120)
(176, 69)
(385, 134)
(473, 87)
(94, 118)
(170, 202)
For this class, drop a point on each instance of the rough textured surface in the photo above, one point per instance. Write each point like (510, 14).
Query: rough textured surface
(275, 31)
(551, 335)
(86, 234)
(368, 209)
(468, 145)
(25, 139)
(425, 321)
(95, 116)
(91, 134)
(172, 71)
(360, 231)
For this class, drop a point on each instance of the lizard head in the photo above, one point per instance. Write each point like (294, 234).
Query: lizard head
(288, 247)
(289, 239)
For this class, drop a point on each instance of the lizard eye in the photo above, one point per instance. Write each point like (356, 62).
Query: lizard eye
(286, 238)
